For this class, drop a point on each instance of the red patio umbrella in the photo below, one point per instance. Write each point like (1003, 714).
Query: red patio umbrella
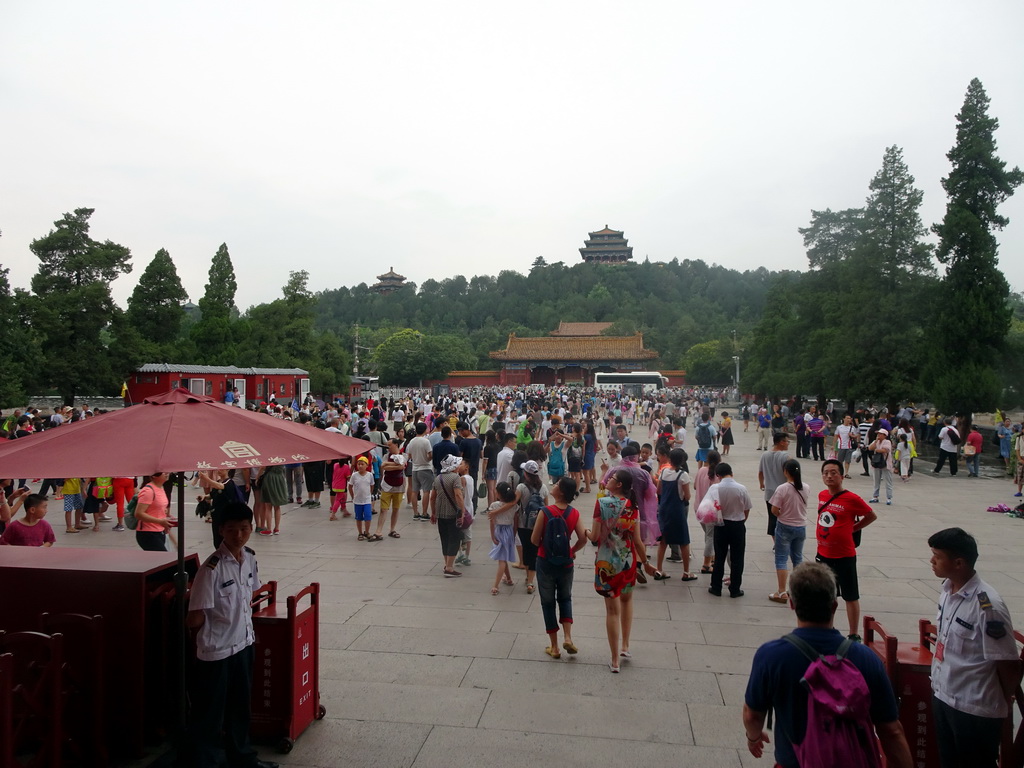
(175, 432)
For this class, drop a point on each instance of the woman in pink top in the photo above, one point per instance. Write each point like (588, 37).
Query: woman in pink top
(703, 480)
(789, 505)
(151, 512)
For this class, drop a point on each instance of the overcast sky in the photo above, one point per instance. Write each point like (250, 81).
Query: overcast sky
(446, 138)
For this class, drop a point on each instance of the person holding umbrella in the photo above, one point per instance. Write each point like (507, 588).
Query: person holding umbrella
(151, 512)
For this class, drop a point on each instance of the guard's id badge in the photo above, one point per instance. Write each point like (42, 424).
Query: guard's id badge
(940, 650)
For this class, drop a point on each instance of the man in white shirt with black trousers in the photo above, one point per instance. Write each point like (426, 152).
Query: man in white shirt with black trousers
(731, 536)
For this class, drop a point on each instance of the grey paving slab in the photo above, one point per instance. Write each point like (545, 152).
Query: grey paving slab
(428, 618)
(401, 668)
(441, 642)
(716, 726)
(397, 703)
(593, 679)
(481, 600)
(594, 650)
(473, 747)
(649, 721)
(714, 658)
(357, 743)
(742, 637)
(353, 579)
(338, 636)
(733, 687)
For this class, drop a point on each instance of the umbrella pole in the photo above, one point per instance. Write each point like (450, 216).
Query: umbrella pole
(180, 586)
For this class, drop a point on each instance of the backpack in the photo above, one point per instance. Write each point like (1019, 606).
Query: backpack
(575, 450)
(704, 435)
(556, 538)
(839, 727)
(131, 522)
(534, 504)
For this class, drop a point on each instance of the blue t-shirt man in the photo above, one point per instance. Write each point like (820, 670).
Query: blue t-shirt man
(775, 684)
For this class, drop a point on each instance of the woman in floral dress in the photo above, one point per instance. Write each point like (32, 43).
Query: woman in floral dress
(616, 531)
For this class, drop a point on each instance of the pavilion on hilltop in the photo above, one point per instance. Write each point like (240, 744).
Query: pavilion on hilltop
(389, 282)
(606, 246)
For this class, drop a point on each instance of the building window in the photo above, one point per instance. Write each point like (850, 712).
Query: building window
(259, 389)
(175, 384)
(284, 389)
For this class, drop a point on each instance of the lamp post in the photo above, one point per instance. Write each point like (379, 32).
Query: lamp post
(736, 359)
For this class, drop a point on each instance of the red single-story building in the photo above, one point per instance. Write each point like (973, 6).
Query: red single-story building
(254, 384)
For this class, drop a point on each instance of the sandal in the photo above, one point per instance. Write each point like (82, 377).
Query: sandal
(689, 577)
(375, 537)
(705, 569)
(520, 566)
(659, 576)
(71, 530)
(361, 537)
(552, 652)
(570, 647)
(779, 597)
(509, 582)
(529, 589)
(495, 590)
(333, 517)
(395, 535)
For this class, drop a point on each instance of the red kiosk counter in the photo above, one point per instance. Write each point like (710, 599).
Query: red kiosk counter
(126, 588)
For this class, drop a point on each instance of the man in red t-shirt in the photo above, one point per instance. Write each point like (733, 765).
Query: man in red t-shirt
(840, 514)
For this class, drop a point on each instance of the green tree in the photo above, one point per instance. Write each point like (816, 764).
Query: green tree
(72, 305)
(214, 334)
(408, 356)
(973, 313)
(19, 346)
(709, 362)
(833, 236)
(155, 306)
(219, 298)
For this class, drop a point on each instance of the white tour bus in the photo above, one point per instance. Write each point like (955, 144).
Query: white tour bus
(631, 382)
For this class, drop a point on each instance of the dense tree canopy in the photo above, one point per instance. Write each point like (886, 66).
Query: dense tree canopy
(969, 331)
(155, 306)
(71, 305)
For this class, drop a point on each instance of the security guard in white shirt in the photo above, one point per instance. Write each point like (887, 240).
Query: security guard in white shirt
(220, 608)
(975, 663)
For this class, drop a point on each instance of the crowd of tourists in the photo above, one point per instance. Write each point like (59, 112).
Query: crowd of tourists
(517, 462)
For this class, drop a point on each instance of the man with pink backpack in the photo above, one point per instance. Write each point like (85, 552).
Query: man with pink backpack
(832, 701)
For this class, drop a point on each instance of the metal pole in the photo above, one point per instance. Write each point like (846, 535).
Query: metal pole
(180, 586)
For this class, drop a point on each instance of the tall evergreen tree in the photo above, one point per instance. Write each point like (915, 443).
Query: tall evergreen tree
(154, 308)
(973, 313)
(72, 305)
(219, 299)
(214, 335)
(893, 230)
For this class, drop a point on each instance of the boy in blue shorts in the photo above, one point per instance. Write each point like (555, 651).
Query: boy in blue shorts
(360, 489)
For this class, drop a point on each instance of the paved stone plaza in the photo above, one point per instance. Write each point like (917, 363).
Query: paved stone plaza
(419, 670)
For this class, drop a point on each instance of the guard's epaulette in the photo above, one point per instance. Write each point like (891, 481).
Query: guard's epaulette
(211, 561)
(983, 600)
(250, 551)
